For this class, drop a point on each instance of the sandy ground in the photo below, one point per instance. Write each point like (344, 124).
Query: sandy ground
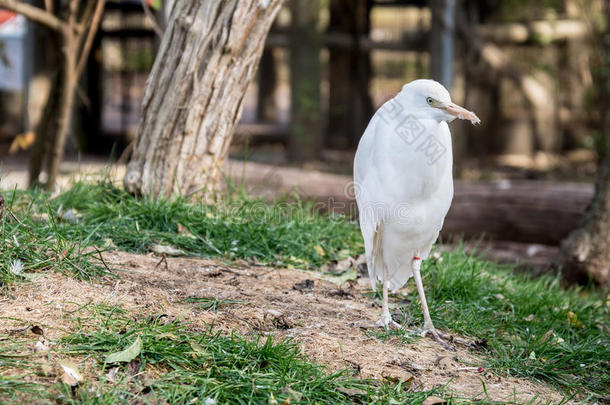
(324, 320)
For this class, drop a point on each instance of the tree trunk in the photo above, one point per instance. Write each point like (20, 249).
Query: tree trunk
(350, 106)
(194, 95)
(47, 67)
(586, 251)
(266, 106)
(46, 126)
(76, 38)
(64, 119)
(306, 128)
(441, 41)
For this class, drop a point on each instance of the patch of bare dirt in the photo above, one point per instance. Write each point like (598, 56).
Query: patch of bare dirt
(319, 316)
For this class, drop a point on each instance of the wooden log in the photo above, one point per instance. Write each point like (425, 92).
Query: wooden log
(411, 40)
(535, 31)
(521, 211)
(525, 256)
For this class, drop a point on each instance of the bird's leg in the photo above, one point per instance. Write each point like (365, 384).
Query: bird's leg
(428, 326)
(386, 318)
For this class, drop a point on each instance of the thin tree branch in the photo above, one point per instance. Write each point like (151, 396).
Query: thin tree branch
(48, 4)
(72, 10)
(84, 23)
(151, 17)
(95, 22)
(34, 13)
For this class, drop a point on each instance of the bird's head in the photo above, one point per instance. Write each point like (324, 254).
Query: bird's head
(430, 99)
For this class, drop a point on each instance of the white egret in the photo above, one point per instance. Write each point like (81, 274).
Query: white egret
(404, 186)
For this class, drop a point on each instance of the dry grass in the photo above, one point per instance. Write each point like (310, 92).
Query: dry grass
(262, 300)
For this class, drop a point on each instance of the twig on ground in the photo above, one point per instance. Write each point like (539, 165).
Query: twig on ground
(102, 258)
(163, 260)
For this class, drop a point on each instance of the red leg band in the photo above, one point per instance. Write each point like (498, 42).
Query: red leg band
(416, 258)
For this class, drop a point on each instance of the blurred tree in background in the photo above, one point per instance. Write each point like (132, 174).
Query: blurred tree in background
(586, 251)
(73, 27)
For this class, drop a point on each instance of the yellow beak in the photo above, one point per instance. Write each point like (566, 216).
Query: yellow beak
(460, 112)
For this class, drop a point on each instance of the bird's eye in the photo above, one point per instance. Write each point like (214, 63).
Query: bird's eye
(429, 100)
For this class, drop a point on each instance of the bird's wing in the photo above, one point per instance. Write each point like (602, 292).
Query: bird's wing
(367, 192)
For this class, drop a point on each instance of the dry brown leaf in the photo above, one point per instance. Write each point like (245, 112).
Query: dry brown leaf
(22, 141)
(70, 374)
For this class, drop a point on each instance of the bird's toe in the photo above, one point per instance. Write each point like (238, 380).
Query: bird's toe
(387, 322)
(437, 338)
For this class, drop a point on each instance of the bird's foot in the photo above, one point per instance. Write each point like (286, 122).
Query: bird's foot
(387, 322)
(438, 337)
(381, 323)
(446, 340)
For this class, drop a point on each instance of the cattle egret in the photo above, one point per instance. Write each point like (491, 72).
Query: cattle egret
(404, 186)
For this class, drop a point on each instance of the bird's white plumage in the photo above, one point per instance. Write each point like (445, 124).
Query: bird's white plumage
(403, 179)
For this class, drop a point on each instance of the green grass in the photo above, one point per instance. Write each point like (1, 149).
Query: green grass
(282, 234)
(179, 364)
(34, 240)
(210, 303)
(530, 327)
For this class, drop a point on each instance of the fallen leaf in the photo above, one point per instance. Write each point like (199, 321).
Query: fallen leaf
(111, 375)
(339, 280)
(71, 216)
(70, 374)
(166, 249)
(167, 335)
(319, 250)
(22, 141)
(546, 336)
(127, 355)
(352, 392)
(434, 401)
